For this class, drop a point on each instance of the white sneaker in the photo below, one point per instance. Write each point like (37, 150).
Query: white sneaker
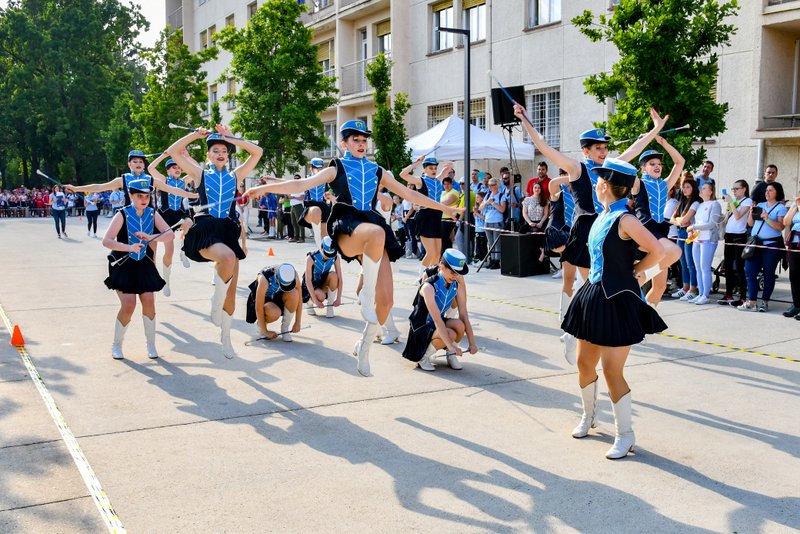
(702, 299)
(185, 260)
(88, 234)
(425, 364)
(558, 274)
(688, 296)
(748, 306)
(95, 236)
(453, 362)
(679, 293)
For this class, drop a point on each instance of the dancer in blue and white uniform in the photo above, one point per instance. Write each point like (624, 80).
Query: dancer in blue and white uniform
(214, 236)
(132, 269)
(274, 294)
(609, 312)
(583, 180)
(316, 208)
(357, 230)
(323, 278)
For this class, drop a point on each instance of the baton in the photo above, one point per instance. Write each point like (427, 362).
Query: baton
(503, 89)
(146, 243)
(179, 127)
(678, 129)
(40, 173)
(265, 338)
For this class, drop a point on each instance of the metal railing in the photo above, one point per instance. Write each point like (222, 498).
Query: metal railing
(175, 19)
(330, 72)
(345, 3)
(320, 9)
(353, 78)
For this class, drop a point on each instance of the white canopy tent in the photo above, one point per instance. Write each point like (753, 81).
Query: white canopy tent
(447, 138)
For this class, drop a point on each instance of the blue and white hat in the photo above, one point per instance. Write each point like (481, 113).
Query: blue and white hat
(136, 154)
(327, 247)
(170, 162)
(617, 172)
(430, 161)
(456, 260)
(648, 155)
(218, 139)
(354, 127)
(287, 276)
(317, 163)
(594, 136)
(140, 185)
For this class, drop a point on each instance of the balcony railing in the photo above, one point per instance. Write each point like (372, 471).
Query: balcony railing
(175, 19)
(320, 9)
(330, 72)
(353, 78)
(344, 3)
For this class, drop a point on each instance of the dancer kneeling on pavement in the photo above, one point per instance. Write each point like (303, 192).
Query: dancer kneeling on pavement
(430, 329)
(319, 282)
(132, 270)
(216, 231)
(609, 312)
(358, 231)
(274, 294)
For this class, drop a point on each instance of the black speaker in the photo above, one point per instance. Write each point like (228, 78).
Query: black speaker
(519, 255)
(502, 109)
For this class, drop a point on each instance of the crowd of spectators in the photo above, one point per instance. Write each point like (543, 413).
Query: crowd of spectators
(37, 202)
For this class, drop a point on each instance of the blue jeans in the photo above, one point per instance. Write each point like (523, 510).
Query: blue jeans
(688, 272)
(767, 259)
(60, 217)
(703, 256)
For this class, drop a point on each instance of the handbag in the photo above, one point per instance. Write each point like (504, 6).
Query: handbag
(753, 241)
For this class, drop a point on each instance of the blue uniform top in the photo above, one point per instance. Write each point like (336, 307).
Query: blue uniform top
(583, 193)
(126, 179)
(316, 194)
(357, 181)
(611, 256)
(431, 187)
(569, 205)
(135, 223)
(590, 166)
(218, 188)
(322, 265)
(651, 200)
(443, 294)
(170, 201)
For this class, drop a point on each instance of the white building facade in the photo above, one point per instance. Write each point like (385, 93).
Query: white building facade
(529, 43)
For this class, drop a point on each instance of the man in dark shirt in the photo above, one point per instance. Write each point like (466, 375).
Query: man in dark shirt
(759, 192)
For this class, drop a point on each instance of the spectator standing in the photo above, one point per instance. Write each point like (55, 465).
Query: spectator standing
(409, 210)
(117, 199)
(70, 204)
(475, 183)
(706, 222)
(704, 176)
(273, 214)
(792, 221)
(535, 210)
(449, 197)
(683, 217)
(493, 208)
(58, 201)
(766, 218)
(759, 189)
(80, 204)
(513, 192)
(92, 212)
(738, 209)
(296, 213)
(541, 178)
(480, 228)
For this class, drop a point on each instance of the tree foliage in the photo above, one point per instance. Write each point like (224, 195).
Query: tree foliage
(62, 65)
(282, 90)
(668, 60)
(388, 124)
(176, 92)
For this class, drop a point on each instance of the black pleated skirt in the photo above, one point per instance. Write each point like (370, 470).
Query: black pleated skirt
(207, 231)
(250, 306)
(554, 238)
(619, 321)
(576, 250)
(345, 218)
(133, 277)
(428, 223)
(324, 206)
(418, 341)
(172, 217)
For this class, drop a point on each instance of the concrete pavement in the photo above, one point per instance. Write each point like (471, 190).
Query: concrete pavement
(289, 438)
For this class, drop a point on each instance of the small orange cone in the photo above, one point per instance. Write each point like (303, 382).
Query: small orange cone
(80, 218)
(270, 253)
(16, 337)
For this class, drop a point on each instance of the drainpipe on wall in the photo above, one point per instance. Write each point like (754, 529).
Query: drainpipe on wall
(760, 160)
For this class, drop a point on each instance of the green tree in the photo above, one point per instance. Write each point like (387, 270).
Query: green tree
(117, 138)
(282, 90)
(176, 92)
(216, 116)
(388, 124)
(668, 60)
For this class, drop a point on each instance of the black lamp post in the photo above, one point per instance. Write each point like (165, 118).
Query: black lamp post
(467, 207)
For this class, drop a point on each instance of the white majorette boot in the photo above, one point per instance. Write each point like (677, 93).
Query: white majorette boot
(317, 234)
(367, 294)
(329, 304)
(119, 334)
(185, 260)
(589, 398)
(361, 350)
(390, 331)
(225, 336)
(167, 272)
(218, 299)
(426, 363)
(150, 336)
(624, 438)
(570, 348)
(563, 306)
(286, 325)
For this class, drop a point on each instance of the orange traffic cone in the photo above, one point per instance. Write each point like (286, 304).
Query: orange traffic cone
(16, 337)
(80, 218)
(270, 253)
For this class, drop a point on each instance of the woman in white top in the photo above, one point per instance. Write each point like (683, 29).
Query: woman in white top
(58, 202)
(706, 222)
(738, 207)
(683, 217)
(535, 210)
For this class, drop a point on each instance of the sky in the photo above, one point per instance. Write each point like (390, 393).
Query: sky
(153, 11)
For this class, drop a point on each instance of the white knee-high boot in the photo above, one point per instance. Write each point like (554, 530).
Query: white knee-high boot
(589, 398)
(361, 350)
(426, 363)
(218, 299)
(119, 335)
(329, 304)
(315, 227)
(225, 336)
(286, 325)
(371, 269)
(150, 336)
(624, 438)
(167, 272)
(390, 331)
(563, 306)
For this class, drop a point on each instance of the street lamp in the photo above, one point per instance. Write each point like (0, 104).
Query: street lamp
(467, 209)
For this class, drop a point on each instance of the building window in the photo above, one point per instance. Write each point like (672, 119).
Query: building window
(212, 91)
(543, 12)
(212, 32)
(230, 21)
(329, 130)
(477, 112)
(438, 113)
(251, 10)
(325, 58)
(475, 19)
(443, 16)
(384, 32)
(544, 110)
(231, 93)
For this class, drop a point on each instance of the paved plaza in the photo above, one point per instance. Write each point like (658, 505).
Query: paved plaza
(288, 437)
